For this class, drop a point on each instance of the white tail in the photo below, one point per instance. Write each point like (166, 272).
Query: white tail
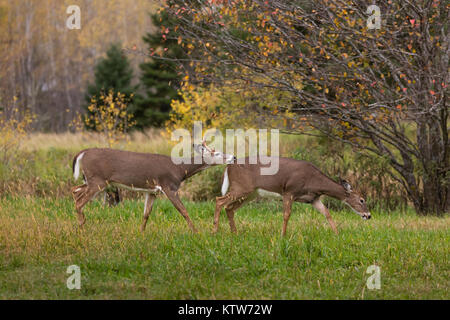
(76, 170)
(226, 182)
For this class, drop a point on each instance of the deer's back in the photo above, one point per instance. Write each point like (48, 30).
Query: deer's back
(295, 175)
(132, 168)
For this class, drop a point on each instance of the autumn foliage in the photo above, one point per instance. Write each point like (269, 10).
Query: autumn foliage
(14, 128)
(109, 115)
(383, 90)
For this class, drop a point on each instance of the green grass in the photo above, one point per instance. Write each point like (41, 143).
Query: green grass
(39, 239)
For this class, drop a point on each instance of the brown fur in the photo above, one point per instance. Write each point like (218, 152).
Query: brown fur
(296, 180)
(102, 167)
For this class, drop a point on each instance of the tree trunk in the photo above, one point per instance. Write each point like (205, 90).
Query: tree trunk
(434, 171)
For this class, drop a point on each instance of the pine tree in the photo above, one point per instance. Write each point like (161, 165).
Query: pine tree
(111, 73)
(159, 78)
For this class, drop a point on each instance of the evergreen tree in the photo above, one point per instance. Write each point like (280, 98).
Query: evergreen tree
(159, 77)
(111, 73)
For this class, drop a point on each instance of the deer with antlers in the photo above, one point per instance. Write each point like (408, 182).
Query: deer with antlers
(295, 180)
(141, 172)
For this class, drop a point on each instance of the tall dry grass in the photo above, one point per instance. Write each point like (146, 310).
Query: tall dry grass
(151, 140)
(45, 166)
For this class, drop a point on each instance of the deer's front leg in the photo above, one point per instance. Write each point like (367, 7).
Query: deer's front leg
(321, 208)
(287, 207)
(173, 197)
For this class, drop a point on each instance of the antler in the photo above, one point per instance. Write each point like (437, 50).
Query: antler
(206, 147)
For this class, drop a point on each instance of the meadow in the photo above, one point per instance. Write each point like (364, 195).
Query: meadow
(40, 239)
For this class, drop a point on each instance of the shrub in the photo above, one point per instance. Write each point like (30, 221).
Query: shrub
(110, 116)
(14, 127)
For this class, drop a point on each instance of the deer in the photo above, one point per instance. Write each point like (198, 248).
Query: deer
(295, 181)
(149, 173)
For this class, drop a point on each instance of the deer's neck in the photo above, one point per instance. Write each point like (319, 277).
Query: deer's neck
(188, 170)
(335, 190)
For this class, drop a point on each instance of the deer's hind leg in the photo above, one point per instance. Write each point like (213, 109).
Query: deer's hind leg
(149, 200)
(83, 194)
(231, 204)
(220, 203)
(78, 194)
(230, 210)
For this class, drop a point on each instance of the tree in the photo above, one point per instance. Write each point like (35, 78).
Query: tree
(112, 73)
(383, 91)
(47, 66)
(160, 76)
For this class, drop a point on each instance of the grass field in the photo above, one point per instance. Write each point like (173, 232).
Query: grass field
(39, 239)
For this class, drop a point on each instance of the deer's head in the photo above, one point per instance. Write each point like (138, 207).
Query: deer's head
(355, 201)
(211, 156)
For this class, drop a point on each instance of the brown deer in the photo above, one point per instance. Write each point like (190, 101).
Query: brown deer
(142, 172)
(295, 180)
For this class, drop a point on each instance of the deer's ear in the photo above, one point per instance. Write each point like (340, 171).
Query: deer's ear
(198, 148)
(346, 185)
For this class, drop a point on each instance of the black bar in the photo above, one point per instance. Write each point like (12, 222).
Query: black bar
(222, 309)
